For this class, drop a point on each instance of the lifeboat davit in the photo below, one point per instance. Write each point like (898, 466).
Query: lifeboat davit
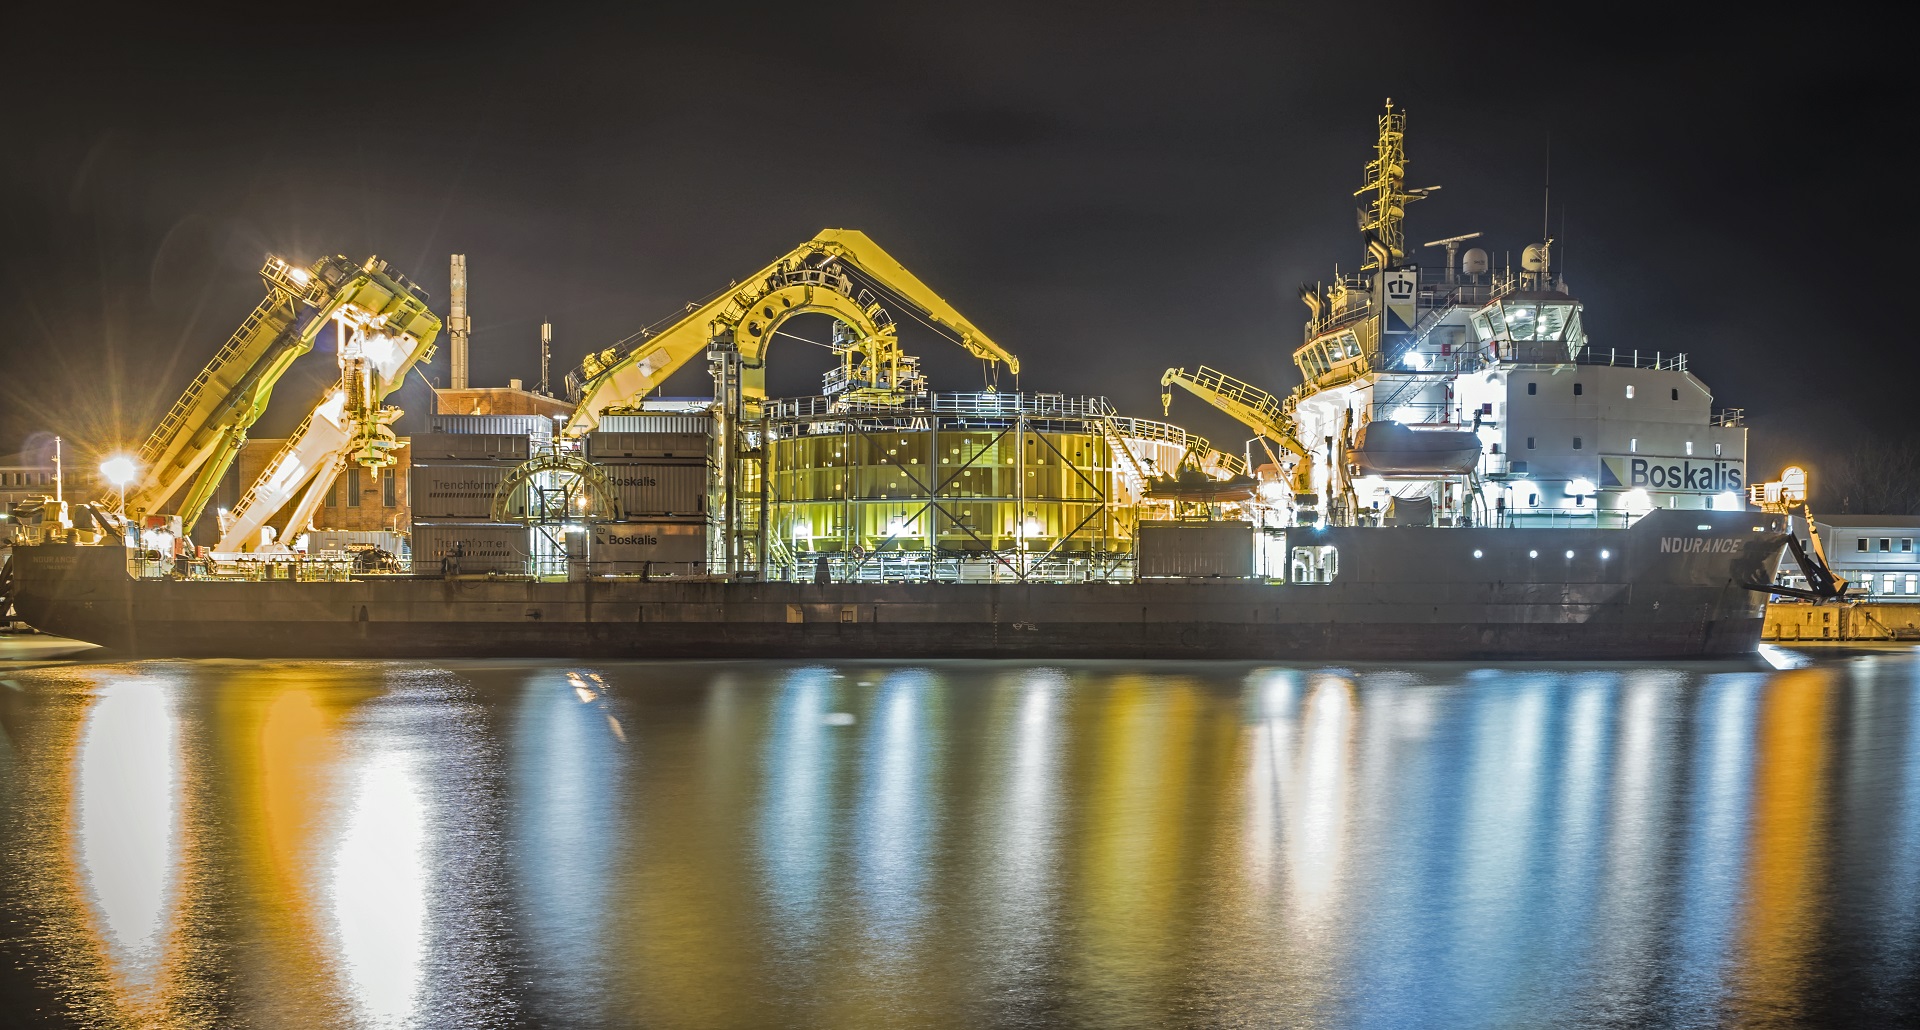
(1388, 448)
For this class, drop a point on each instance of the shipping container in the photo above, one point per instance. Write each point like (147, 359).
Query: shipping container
(659, 489)
(454, 491)
(504, 447)
(470, 547)
(609, 447)
(1196, 549)
(657, 547)
(537, 426)
(699, 423)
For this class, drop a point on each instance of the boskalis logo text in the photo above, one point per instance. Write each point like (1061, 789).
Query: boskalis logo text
(1707, 477)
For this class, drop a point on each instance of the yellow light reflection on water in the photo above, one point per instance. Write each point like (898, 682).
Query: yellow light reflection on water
(127, 829)
(1788, 847)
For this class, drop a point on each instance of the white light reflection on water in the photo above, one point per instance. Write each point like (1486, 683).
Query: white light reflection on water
(893, 828)
(379, 888)
(794, 829)
(1627, 921)
(1720, 794)
(1318, 841)
(1501, 812)
(1275, 700)
(128, 824)
(568, 766)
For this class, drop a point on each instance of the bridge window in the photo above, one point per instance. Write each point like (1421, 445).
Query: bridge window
(1886, 544)
(1576, 443)
(1676, 394)
(1629, 391)
(1860, 544)
(1578, 389)
(1533, 388)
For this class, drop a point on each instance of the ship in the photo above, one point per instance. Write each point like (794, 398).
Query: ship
(1461, 474)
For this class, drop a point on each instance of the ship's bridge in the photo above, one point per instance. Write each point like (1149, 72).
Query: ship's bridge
(1531, 327)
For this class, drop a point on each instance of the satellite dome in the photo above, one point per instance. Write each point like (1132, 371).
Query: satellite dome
(1534, 258)
(1474, 261)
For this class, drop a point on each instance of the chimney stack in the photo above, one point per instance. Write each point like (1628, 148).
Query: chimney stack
(457, 323)
(546, 356)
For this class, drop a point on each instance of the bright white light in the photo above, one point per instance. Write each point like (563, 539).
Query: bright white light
(1728, 501)
(1031, 526)
(1272, 492)
(1569, 554)
(1605, 554)
(1580, 487)
(120, 471)
(1533, 554)
(158, 540)
(1415, 359)
(379, 890)
(1637, 499)
(299, 275)
(1404, 414)
(127, 823)
(1476, 552)
(1783, 660)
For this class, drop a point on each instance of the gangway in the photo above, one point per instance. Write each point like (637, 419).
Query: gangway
(1247, 404)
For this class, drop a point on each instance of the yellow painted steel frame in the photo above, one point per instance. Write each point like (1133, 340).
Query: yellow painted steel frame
(800, 282)
(199, 439)
(1249, 405)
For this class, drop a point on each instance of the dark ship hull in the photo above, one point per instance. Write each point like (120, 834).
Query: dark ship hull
(1670, 587)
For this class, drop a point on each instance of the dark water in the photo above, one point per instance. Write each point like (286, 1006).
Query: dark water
(541, 844)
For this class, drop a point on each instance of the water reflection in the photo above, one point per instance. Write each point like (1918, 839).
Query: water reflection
(961, 844)
(127, 827)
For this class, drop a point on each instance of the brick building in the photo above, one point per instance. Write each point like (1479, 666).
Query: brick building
(361, 500)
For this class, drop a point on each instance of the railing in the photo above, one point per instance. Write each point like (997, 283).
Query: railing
(1675, 361)
(1730, 418)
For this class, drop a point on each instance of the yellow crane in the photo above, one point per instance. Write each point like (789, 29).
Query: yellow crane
(196, 442)
(823, 276)
(1247, 404)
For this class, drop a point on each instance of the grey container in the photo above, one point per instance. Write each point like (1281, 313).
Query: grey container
(700, 424)
(471, 546)
(660, 489)
(506, 447)
(537, 426)
(454, 491)
(660, 547)
(1195, 550)
(611, 447)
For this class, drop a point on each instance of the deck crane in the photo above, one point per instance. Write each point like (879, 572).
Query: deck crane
(1247, 404)
(1788, 496)
(350, 424)
(837, 273)
(197, 441)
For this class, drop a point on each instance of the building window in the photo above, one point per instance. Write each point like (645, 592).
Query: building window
(1576, 443)
(1533, 500)
(1716, 450)
(1629, 391)
(1633, 446)
(386, 488)
(1886, 544)
(1860, 544)
(1886, 583)
(1578, 389)
(1533, 388)
(1529, 443)
(1689, 447)
(1676, 393)
(1913, 582)
(353, 486)
(1906, 545)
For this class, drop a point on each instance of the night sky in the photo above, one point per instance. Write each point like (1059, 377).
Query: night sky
(1105, 190)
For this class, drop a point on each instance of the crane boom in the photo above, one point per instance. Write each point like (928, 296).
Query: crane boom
(196, 442)
(1249, 405)
(384, 333)
(818, 276)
